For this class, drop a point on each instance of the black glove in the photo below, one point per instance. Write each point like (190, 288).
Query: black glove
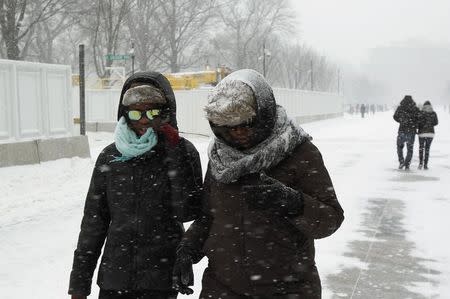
(183, 275)
(274, 196)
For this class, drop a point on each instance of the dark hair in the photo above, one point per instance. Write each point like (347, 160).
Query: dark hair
(408, 97)
(427, 103)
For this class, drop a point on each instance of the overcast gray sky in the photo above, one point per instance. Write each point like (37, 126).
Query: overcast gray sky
(346, 29)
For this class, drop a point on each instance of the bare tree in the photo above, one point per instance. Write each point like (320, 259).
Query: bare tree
(145, 33)
(2, 50)
(249, 26)
(326, 75)
(47, 32)
(295, 65)
(18, 21)
(106, 26)
(185, 23)
(66, 47)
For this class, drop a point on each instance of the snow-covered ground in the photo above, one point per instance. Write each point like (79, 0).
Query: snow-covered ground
(41, 208)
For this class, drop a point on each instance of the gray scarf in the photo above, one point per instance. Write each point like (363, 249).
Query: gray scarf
(228, 164)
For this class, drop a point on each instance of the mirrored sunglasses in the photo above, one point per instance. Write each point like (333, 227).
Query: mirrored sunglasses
(137, 114)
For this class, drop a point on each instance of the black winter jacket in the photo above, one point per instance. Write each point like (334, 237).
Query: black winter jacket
(427, 122)
(255, 252)
(407, 115)
(138, 206)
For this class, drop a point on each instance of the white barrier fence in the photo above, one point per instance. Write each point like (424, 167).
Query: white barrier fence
(36, 117)
(35, 101)
(303, 106)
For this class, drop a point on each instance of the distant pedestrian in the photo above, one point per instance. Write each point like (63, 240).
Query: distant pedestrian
(363, 110)
(352, 110)
(407, 115)
(427, 121)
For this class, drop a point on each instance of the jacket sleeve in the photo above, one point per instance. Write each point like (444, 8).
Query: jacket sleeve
(322, 214)
(185, 176)
(435, 119)
(94, 228)
(420, 119)
(193, 184)
(397, 115)
(197, 233)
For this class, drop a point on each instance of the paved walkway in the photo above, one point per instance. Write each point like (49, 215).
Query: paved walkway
(392, 245)
(391, 269)
(390, 261)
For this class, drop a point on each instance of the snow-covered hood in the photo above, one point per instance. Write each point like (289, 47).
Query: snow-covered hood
(158, 80)
(265, 100)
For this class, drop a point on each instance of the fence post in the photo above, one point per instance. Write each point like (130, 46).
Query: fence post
(82, 93)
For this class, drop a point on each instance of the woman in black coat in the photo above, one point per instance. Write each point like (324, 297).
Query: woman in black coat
(143, 187)
(427, 121)
(267, 197)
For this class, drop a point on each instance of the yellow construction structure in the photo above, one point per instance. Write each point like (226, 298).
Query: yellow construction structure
(193, 80)
(178, 81)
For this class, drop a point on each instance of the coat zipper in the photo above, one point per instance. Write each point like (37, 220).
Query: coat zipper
(242, 232)
(137, 184)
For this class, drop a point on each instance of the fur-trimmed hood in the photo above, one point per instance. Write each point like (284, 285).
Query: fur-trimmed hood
(159, 81)
(143, 94)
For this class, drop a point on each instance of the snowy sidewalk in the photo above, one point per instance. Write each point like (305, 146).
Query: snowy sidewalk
(396, 221)
(392, 243)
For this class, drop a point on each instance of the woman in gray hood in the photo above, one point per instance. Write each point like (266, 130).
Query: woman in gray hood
(267, 196)
(427, 121)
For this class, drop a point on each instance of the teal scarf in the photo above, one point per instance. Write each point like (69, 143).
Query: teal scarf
(129, 144)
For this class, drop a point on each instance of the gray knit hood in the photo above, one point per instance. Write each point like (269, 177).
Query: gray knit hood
(240, 95)
(281, 134)
(157, 80)
(427, 107)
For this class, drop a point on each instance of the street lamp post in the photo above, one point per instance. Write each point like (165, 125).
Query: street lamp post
(339, 81)
(132, 57)
(265, 53)
(82, 91)
(264, 59)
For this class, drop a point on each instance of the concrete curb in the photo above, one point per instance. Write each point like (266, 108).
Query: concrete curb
(41, 150)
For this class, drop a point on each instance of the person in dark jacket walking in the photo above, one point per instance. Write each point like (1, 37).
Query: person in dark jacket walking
(363, 110)
(143, 187)
(407, 116)
(427, 121)
(267, 196)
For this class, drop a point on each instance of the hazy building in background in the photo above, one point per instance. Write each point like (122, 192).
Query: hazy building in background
(413, 67)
